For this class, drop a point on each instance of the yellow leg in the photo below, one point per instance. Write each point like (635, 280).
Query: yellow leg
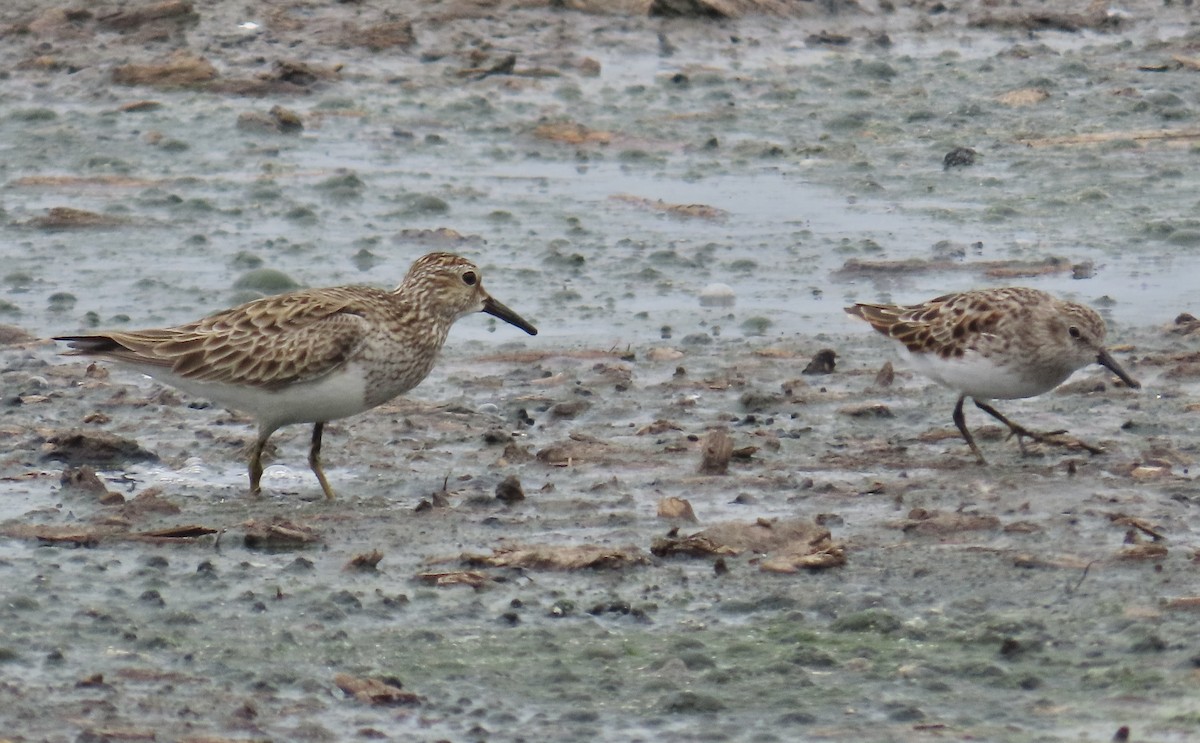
(256, 468)
(314, 460)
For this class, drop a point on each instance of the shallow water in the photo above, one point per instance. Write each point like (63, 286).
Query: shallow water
(800, 139)
(816, 156)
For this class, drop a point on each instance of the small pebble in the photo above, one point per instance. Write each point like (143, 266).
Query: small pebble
(717, 295)
(509, 490)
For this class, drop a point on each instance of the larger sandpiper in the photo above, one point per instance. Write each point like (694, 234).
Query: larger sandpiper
(310, 356)
(996, 344)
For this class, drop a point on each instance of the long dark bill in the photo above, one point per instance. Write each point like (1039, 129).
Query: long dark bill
(496, 309)
(1103, 359)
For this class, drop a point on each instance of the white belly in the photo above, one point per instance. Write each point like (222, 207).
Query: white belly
(334, 396)
(980, 377)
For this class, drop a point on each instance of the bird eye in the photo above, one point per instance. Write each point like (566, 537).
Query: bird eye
(1074, 332)
(469, 278)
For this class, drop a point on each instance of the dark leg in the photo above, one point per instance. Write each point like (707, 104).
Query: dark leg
(961, 422)
(314, 460)
(1049, 437)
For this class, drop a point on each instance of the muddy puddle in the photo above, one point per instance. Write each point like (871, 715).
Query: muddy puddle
(682, 206)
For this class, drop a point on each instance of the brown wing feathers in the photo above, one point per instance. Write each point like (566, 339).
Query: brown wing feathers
(941, 326)
(270, 343)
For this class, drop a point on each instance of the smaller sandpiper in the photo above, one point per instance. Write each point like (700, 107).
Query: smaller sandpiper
(997, 344)
(310, 356)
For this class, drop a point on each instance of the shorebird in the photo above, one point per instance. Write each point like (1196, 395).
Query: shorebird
(310, 356)
(997, 344)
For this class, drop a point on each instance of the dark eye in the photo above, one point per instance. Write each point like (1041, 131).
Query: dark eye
(1074, 332)
(469, 278)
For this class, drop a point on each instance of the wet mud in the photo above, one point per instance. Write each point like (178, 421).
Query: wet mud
(702, 504)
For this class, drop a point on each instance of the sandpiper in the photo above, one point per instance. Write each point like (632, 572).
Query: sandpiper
(997, 344)
(310, 356)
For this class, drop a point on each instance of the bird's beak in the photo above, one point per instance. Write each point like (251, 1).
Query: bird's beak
(1103, 359)
(496, 309)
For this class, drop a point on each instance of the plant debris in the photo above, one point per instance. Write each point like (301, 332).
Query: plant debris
(789, 544)
(279, 534)
(716, 449)
(472, 578)
(552, 557)
(375, 691)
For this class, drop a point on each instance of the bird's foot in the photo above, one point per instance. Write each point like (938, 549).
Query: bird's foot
(1052, 438)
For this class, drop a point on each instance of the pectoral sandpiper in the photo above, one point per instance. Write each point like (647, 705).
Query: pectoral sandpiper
(310, 356)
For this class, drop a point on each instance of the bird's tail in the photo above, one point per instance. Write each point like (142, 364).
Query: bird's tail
(81, 345)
